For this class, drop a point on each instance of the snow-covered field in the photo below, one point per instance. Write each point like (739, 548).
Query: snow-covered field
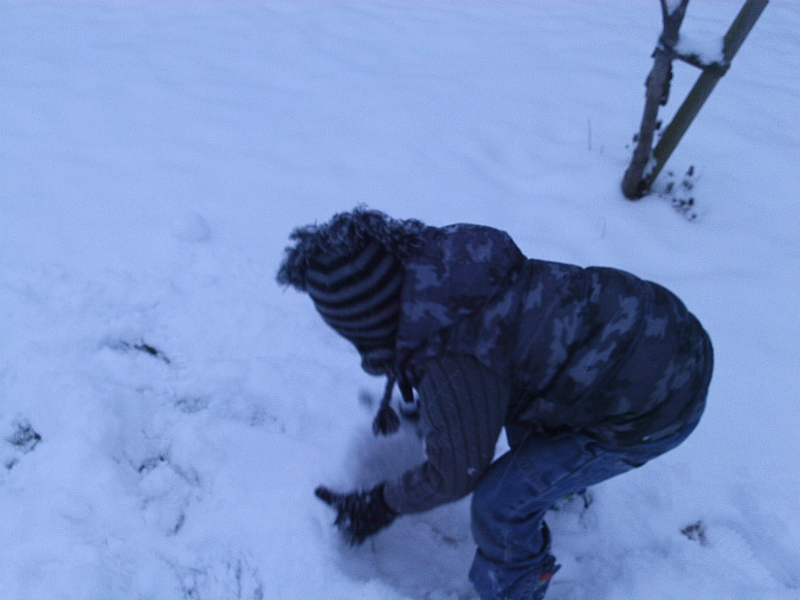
(166, 410)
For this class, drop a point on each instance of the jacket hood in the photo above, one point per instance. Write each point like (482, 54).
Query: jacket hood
(458, 270)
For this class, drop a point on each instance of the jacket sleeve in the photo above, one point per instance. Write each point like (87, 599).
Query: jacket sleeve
(462, 410)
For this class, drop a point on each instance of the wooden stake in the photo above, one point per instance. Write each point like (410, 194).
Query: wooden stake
(702, 89)
(657, 92)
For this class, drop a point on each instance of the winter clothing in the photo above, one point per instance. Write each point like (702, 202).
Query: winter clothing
(584, 367)
(358, 294)
(360, 514)
(462, 409)
(341, 239)
(513, 560)
(592, 350)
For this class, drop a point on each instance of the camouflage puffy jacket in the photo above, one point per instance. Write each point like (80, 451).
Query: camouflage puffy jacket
(594, 350)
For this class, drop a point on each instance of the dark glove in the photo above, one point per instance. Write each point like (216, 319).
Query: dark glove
(359, 514)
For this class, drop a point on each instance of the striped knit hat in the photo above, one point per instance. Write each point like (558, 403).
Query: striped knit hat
(352, 267)
(358, 294)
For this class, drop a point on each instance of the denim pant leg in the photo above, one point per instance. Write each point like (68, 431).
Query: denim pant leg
(513, 560)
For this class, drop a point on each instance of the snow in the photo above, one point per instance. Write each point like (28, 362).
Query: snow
(672, 5)
(707, 51)
(155, 157)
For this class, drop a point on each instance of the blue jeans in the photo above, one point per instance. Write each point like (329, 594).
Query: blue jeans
(513, 560)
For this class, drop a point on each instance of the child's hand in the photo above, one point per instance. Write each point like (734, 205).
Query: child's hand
(359, 514)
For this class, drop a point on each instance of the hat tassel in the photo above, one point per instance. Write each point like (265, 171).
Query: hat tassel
(386, 421)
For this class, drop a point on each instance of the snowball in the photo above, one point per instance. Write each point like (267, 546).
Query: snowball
(191, 227)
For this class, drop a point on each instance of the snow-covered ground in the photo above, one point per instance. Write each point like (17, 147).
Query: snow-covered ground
(166, 410)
